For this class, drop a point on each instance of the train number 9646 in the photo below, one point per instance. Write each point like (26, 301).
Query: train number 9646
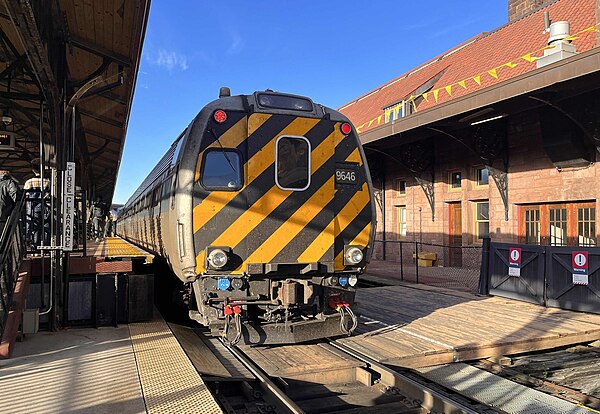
(346, 176)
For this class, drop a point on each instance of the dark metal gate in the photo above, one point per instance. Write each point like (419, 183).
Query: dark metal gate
(546, 275)
(528, 283)
(563, 291)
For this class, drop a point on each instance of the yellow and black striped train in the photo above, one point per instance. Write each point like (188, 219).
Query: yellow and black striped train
(263, 207)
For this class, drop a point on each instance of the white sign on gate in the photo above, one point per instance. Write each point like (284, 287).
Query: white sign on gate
(514, 271)
(68, 206)
(579, 279)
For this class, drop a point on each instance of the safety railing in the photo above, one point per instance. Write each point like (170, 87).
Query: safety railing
(12, 249)
(449, 266)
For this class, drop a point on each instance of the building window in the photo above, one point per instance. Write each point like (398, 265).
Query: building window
(399, 110)
(482, 220)
(571, 224)
(401, 222)
(532, 225)
(586, 226)
(558, 226)
(393, 112)
(455, 179)
(401, 187)
(482, 176)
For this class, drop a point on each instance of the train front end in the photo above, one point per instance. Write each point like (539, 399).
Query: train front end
(283, 220)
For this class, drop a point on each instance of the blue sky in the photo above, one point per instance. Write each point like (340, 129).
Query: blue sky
(332, 51)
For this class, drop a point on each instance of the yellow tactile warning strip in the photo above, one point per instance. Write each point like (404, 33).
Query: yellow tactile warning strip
(117, 247)
(170, 383)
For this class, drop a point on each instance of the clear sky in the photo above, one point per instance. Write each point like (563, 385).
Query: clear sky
(332, 51)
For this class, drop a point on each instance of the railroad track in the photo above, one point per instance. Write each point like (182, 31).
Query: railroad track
(362, 386)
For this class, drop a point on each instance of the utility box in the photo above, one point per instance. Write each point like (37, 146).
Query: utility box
(107, 299)
(426, 259)
(140, 305)
(31, 321)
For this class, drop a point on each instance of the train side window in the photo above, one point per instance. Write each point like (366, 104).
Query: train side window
(165, 197)
(292, 159)
(222, 170)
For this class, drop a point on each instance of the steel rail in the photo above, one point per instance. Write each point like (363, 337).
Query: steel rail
(264, 379)
(430, 399)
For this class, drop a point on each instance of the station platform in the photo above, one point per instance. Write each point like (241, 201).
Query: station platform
(111, 254)
(116, 248)
(410, 325)
(135, 368)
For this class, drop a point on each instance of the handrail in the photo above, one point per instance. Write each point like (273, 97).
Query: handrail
(12, 247)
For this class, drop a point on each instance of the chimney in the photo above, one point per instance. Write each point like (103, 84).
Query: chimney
(519, 8)
(561, 49)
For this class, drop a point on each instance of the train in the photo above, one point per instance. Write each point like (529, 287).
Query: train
(263, 208)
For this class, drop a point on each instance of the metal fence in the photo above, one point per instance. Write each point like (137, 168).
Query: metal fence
(12, 247)
(453, 267)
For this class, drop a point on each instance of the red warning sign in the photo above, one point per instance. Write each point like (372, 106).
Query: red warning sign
(580, 261)
(514, 256)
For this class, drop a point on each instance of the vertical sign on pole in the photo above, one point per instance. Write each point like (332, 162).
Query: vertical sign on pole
(580, 263)
(514, 261)
(69, 206)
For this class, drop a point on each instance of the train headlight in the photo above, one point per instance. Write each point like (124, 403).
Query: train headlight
(352, 280)
(343, 281)
(353, 255)
(217, 258)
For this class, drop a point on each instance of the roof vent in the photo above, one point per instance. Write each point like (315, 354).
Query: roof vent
(561, 49)
(558, 31)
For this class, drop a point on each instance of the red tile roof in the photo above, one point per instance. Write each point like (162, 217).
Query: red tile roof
(489, 58)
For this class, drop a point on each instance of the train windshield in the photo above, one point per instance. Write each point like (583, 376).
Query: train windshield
(293, 163)
(222, 170)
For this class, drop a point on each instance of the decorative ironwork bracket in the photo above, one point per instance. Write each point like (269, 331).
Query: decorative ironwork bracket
(490, 143)
(418, 157)
(501, 180)
(428, 189)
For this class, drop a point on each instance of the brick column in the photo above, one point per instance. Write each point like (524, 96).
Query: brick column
(519, 8)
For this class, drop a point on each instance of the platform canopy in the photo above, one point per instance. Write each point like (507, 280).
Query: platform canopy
(75, 62)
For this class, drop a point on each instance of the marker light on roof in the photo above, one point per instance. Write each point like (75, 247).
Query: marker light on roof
(220, 116)
(346, 128)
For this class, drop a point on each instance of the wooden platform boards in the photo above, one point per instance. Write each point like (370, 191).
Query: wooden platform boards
(417, 325)
(305, 362)
(210, 357)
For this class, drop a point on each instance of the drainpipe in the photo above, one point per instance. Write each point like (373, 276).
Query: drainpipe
(383, 209)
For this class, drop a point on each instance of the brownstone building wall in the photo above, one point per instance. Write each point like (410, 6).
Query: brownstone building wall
(534, 184)
(519, 8)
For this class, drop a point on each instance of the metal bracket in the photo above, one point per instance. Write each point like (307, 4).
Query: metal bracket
(418, 157)
(491, 145)
(49, 248)
(501, 180)
(428, 189)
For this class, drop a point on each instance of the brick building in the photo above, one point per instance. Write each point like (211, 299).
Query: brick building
(498, 136)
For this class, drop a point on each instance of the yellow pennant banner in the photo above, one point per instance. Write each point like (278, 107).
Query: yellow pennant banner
(493, 72)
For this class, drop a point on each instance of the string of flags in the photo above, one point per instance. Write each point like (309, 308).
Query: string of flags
(434, 95)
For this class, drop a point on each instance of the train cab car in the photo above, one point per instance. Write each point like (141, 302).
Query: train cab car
(263, 207)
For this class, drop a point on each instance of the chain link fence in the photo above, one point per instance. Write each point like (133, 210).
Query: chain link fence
(452, 267)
